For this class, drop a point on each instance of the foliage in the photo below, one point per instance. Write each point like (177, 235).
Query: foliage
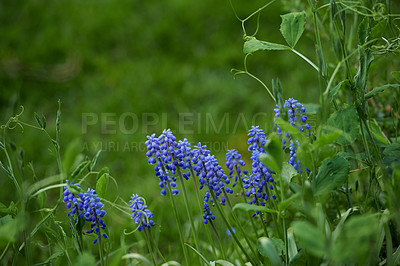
(319, 185)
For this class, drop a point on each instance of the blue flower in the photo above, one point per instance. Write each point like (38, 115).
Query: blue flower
(161, 151)
(75, 202)
(256, 139)
(233, 162)
(140, 213)
(207, 214)
(296, 117)
(210, 173)
(94, 213)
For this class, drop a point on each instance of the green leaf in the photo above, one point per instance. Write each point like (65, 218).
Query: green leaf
(355, 156)
(44, 123)
(53, 257)
(79, 170)
(4, 208)
(379, 89)
(255, 45)
(266, 248)
(292, 27)
(379, 29)
(94, 160)
(252, 207)
(363, 31)
(38, 120)
(347, 121)
(377, 132)
(396, 75)
(101, 185)
(283, 205)
(198, 253)
(392, 154)
(273, 158)
(299, 259)
(288, 172)
(343, 84)
(326, 139)
(331, 175)
(310, 237)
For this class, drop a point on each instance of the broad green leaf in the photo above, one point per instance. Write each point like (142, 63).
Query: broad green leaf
(101, 185)
(342, 84)
(273, 158)
(396, 75)
(288, 172)
(252, 207)
(331, 175)
(255, 45)
(292, 27)
(379, 89)
(85, 259)
(324, 153)
(326, 139)
(283, 205)
(310, 237)
(392, 154)
(266, 248)
(347, 121)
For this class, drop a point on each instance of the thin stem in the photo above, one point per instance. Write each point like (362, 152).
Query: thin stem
(149, 247)
(195, 236)
(219, 240)
(178, 223)
(201, 210)
(305, 59)
(156, 247)
(230, 229)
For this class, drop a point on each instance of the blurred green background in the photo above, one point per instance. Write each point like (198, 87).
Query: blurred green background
(139, 67)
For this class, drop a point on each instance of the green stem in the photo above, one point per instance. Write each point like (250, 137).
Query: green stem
(231, 230)
(201, 210)
(239, 225)
(219, 239)
(156, 247)
(305, 59)
(149, 246)
(194, 231)
(178, 222)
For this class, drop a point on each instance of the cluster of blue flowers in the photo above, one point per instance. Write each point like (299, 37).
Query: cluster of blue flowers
(87, 206)
(233, 163)
(207, 214)
(140, 213)
(294, 111)
(260, 181)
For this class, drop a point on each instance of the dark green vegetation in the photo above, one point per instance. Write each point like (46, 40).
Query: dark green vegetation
(110, 62)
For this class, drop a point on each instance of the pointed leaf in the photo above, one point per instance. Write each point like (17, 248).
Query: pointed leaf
(347, 121)
(379, 89)
(331, 175)
(292, 27)
(266, 248)
(255, 45)
(251, 207)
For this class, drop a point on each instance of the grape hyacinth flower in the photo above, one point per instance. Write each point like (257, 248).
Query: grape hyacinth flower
(160, 152)
(75, 202)
(207, 214)
(94, 214)
(233, 162)
(296, 117)
(140, 213)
